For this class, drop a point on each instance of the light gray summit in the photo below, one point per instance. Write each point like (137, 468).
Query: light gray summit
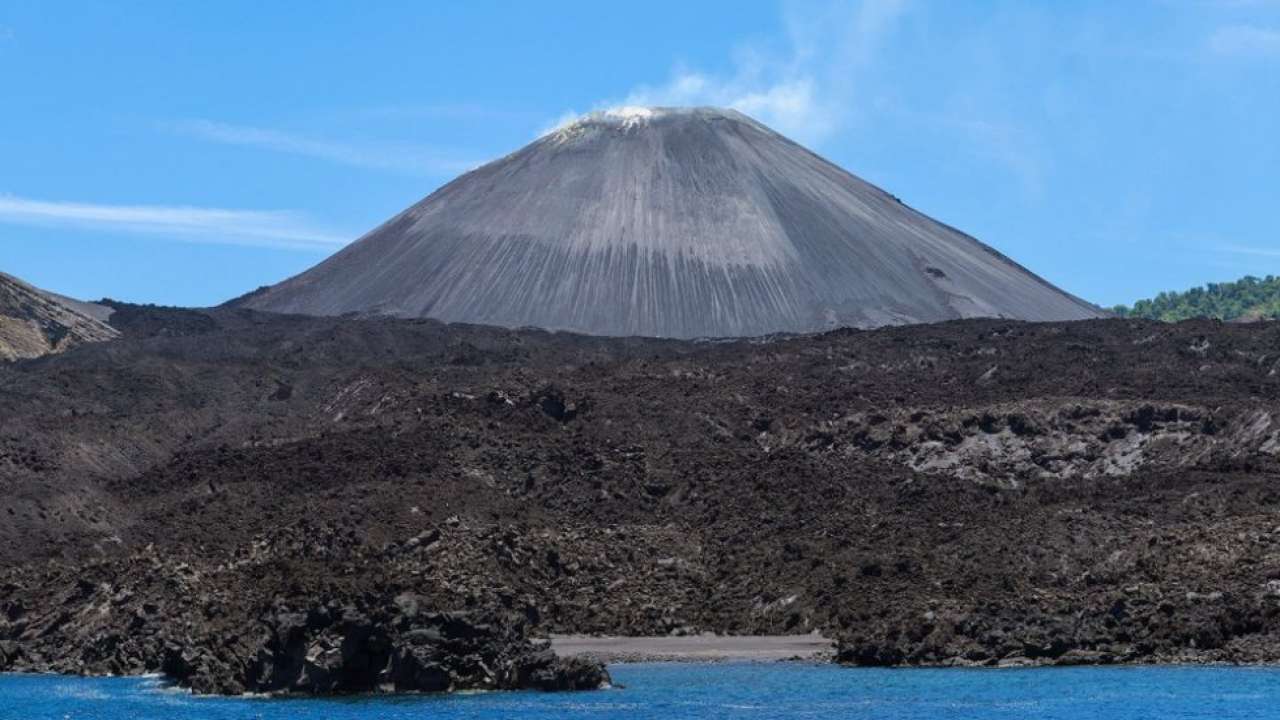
(673, 223)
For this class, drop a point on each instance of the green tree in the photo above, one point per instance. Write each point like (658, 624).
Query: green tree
(1247, 298)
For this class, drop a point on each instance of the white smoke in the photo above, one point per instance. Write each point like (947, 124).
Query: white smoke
(808, 91)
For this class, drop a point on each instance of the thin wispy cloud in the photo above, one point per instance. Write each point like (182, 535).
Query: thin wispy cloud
(1246, 41)
(1252, 250)
(441, 111)
(807, 90)
(406, 158)
(1236, 4)
(278, 229)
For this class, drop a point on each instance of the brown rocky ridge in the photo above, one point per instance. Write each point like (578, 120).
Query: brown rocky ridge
(34, 322)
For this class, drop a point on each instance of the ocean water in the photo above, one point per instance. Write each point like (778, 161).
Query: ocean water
(759, 691)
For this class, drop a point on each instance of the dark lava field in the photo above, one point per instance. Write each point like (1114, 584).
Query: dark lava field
(231, 496)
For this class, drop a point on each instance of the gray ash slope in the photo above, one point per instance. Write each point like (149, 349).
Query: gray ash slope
(669, 223)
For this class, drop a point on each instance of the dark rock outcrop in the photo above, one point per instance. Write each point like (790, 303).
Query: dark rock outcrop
(1108, 495)
(342, 650)
(212, 643)
(1138, 623)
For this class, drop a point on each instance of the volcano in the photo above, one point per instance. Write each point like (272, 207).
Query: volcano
(668, 222)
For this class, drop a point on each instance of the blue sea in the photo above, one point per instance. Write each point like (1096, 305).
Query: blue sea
(758, 691)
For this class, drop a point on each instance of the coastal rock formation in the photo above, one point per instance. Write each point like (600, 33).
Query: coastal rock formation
(979, 492)
(34, 322)
(668, 222)
(206, 630)
(1141, 623)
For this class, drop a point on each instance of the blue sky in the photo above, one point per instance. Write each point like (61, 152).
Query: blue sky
(185, 153)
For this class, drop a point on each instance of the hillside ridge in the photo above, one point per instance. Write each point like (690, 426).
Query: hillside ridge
(34, 322)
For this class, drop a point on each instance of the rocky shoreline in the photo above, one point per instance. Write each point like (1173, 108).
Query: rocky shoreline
(158, 617)
(248, 502)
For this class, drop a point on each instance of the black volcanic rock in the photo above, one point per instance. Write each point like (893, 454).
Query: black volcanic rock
(669, 223)
(971, 492)
(218, 633)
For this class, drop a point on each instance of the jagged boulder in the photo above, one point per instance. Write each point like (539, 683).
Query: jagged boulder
(400, 648)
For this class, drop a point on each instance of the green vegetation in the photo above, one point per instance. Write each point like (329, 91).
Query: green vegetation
(1248, 298)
